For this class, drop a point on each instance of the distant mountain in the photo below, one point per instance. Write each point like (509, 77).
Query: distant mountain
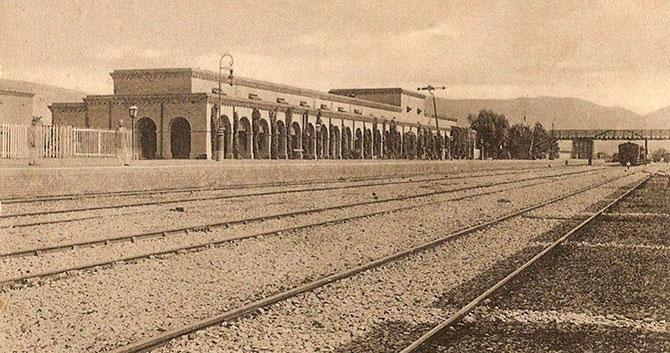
(659, 119)
(44, 95)
(565, 113)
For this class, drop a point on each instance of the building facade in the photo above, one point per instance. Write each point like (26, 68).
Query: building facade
(182, 115)
(16, 107)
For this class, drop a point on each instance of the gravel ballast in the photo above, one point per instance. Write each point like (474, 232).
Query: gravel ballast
(151, 218)
(173, 290)
(606, 289)
(347, 310)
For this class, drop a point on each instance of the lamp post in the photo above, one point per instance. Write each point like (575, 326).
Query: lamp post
(228, 67)
(219, 92)
(132, 111)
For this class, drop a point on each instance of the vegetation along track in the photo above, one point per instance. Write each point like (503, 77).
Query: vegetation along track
(203, 245)
(162, 339)
(439, 329)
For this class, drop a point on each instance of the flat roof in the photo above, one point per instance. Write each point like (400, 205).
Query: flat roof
(382, 90)
(260, 84)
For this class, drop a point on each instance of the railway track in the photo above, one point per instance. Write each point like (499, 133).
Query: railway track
(150, 192)
(42, 213)
(439, 329)
(161, 339)
(208, 227)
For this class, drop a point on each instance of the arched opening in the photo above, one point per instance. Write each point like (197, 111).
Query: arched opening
(335, 142)
(281, 140)
(388, 143)
(227, 135)
(263, 139)
(244, 139)
(367, 144)
(377, 145)
(324, 150)
(346, 143)
(409, 146)
(296, 143)
(398, 145)
(439, 143)
(309, 141)
(358, 144)
(180, 138)
(145, 137)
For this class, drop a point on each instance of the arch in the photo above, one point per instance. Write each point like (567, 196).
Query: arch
(358, 144)
(227, 136)
(387, 144)
(310, 139)
(367, 144)
(335, 142)
(324, 151)
(281, 140)
(346, 143)
(262, 139)
(180, 138)
(377, 146)
(409, 147)
(244, 138)
(145, 138)
(398, 145)
(295, 138)
(439, 145)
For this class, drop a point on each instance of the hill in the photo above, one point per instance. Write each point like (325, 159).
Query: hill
(659, 119)
(565, 113)
(44, 95)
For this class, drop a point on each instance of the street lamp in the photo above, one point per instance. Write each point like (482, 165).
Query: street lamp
(228, 67)
(219, 92)
(132, 111)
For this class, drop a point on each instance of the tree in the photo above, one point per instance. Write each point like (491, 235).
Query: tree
(520, 137)
(543, 143)
(493, 131)
(657, 155)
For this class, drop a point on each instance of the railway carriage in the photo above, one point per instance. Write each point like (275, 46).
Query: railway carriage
(630, 152)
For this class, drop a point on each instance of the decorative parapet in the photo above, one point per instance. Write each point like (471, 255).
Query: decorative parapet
(280, 88)
(68, 107)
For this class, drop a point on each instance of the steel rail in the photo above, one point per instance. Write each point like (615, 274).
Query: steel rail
(210, 226)
(208, 244)
(150, 343)
(231, 196)
(432, 333)
(222, 197)
(75, 196)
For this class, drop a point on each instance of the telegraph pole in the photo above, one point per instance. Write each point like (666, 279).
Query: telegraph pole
(431, 90)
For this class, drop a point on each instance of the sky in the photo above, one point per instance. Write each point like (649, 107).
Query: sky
(614, 53)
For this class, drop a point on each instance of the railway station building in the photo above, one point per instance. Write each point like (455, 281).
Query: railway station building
(183, 115)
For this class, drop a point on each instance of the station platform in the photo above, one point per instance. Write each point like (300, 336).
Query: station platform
(88, 175)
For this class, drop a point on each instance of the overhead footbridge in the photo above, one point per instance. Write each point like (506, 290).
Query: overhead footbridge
(582, 140)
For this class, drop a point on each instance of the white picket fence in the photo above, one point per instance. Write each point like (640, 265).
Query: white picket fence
(52, 141)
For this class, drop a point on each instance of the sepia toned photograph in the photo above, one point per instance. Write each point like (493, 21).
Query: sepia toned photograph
(436, 176)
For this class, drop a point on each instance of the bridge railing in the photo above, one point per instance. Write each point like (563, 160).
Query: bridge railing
(618, 134)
